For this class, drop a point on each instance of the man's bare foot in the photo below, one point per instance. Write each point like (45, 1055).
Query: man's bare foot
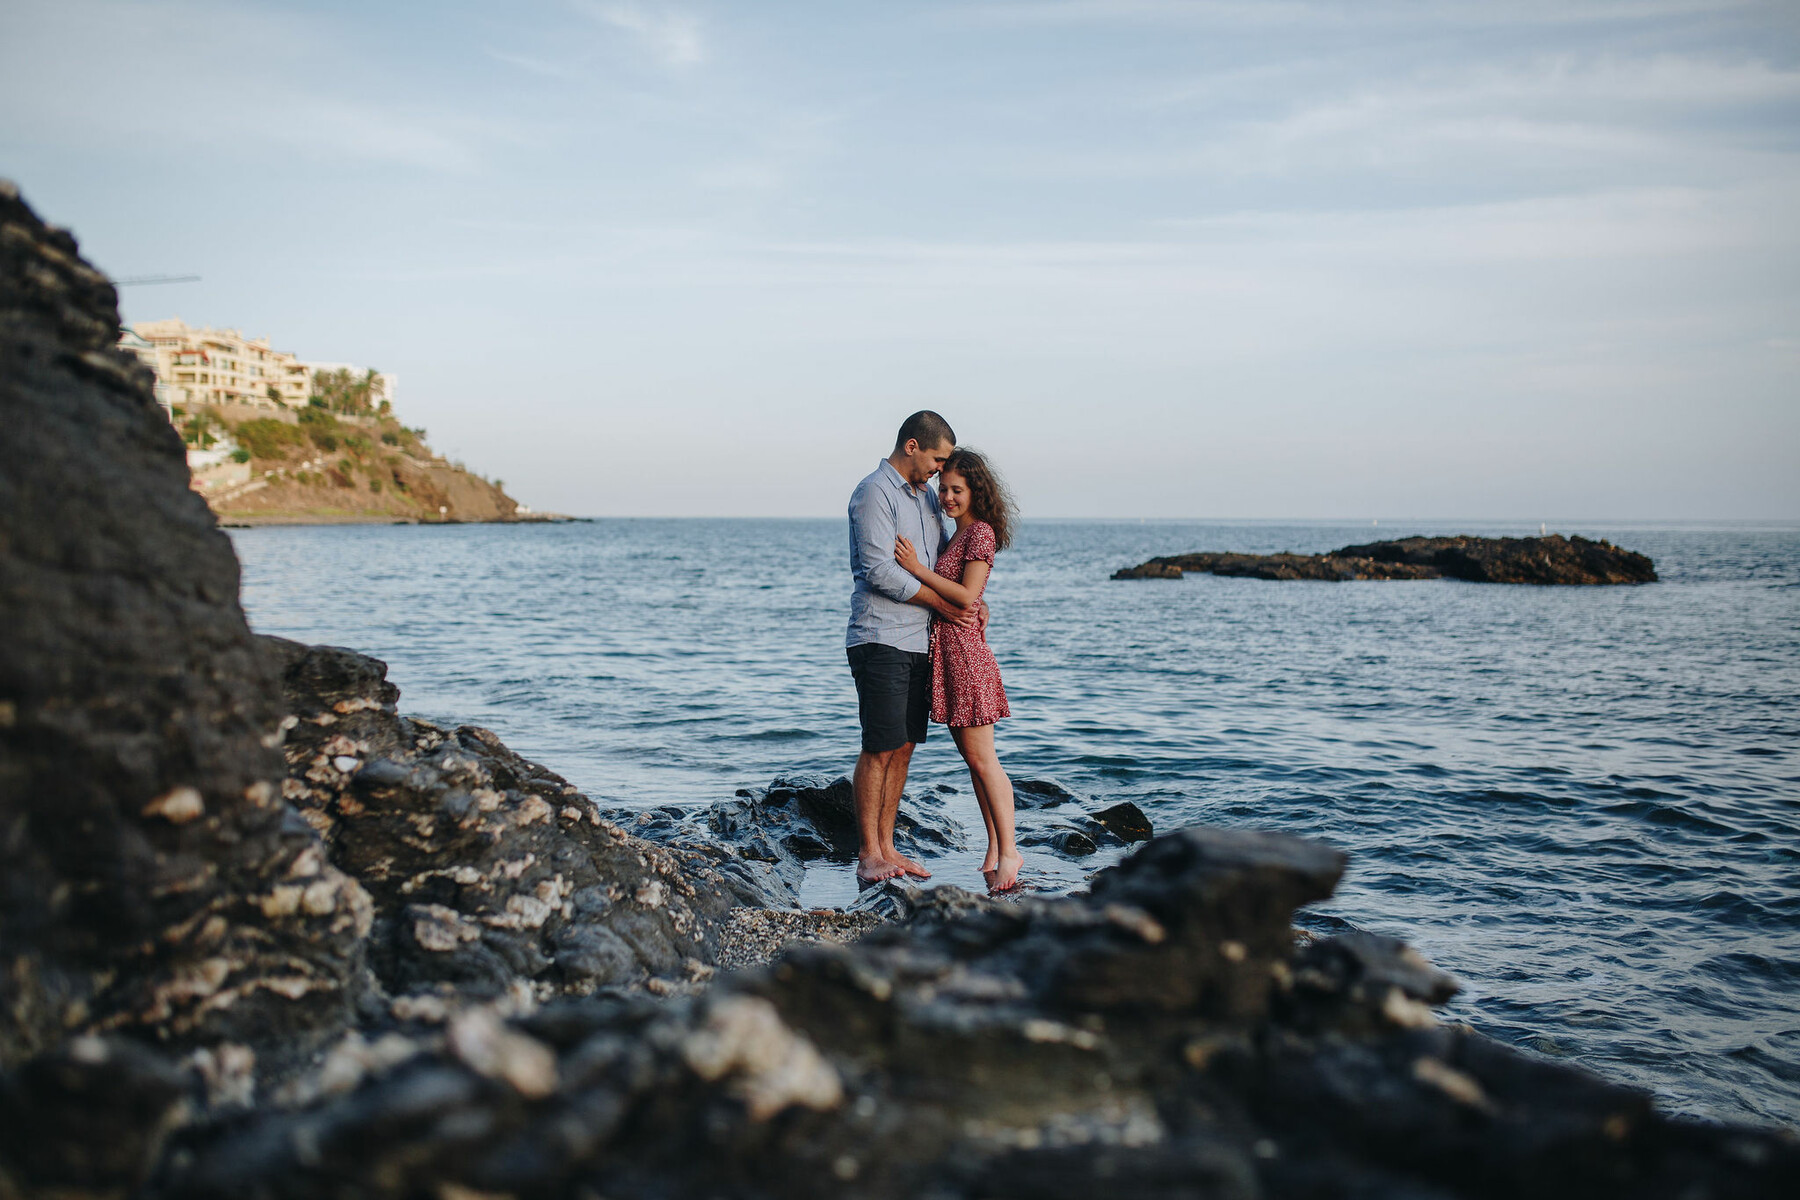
(908, 866)
(1006, 874)
(874, 870)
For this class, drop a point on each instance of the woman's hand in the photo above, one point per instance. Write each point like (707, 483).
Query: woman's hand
(907, 557)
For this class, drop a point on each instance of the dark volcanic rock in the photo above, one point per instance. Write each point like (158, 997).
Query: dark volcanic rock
(969, 1054)
(1546, 560)
(145, 840)
(761, 840)
(1553, 559)
(486, 869)
(1126, 821)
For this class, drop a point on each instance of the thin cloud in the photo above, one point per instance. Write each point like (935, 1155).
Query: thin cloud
(673, 38)
(1314, 14)
(289, 85)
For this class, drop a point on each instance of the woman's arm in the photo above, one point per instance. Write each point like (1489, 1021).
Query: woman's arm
(963, 593)
(956, 614)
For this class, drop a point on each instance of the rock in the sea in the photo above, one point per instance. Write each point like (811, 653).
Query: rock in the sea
(1544, 560)
(1126, 821)
(761, 840)
(486, 869)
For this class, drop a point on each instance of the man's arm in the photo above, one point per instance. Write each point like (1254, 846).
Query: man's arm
(925, 597)
(874, 528)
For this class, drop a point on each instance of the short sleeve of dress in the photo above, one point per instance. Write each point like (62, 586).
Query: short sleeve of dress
(981, 544)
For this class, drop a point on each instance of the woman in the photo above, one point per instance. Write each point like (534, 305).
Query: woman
(966, 692)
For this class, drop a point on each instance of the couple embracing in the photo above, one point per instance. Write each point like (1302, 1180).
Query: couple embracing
(917, 639)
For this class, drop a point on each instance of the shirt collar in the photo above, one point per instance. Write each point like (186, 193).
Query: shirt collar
(895, 479)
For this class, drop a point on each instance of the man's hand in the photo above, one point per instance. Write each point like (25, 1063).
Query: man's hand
(968, 618)
(981, 611)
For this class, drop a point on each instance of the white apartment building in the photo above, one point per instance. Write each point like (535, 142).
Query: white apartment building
(222, 366)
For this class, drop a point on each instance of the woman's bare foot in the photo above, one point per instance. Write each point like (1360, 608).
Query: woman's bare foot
(1006, 873)
(874, 870)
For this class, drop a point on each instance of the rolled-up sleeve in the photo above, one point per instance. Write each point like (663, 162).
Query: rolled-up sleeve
(872, 532)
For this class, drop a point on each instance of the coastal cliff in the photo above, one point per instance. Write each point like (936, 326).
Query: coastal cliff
(1541, 560)
(263, 935)
(318, 467)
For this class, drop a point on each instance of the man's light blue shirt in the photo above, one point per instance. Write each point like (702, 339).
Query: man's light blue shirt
(882, 506)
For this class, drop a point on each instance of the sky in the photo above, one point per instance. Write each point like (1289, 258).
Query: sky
(1159, 258)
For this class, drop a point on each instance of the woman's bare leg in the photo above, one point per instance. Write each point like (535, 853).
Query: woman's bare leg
(981, 801)
(993, 791)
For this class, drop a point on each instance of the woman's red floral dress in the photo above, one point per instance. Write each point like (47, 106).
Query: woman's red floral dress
(965, 680)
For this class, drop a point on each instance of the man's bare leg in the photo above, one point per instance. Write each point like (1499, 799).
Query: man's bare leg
(890, 812)
(870, 784)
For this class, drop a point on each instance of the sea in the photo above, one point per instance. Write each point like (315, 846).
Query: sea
(1583, 802)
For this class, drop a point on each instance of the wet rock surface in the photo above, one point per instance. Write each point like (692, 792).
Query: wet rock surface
(761, 839)
(1161, 1037)
(485, 870)
(403, 961)
(1543, 560)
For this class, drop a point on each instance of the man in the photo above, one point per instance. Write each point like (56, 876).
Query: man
(889, 639)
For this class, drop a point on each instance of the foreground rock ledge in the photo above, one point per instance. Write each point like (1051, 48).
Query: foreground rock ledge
(1543, 560)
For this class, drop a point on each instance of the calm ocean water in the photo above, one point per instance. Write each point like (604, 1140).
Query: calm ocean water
(1584, 802)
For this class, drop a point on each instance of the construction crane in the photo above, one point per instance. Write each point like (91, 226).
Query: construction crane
(144, 280)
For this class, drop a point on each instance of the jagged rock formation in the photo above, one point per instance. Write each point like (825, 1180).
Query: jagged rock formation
(487, 871)
(1546, 560)
(1161, 1038)
(142, 827)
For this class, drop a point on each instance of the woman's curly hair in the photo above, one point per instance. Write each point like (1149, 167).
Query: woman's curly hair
(989, 498)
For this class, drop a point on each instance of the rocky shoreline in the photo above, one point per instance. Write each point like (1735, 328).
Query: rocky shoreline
(263, 935)
(1541, 560)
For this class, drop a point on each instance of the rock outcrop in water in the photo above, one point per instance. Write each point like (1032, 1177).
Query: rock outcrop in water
(229, 975)
(486, 871)
(1544, 560)
(760, 840)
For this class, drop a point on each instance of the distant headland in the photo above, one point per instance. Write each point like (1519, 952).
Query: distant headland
(274, 440)
(1552, 559)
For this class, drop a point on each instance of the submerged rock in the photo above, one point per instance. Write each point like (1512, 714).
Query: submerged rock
(1544, 560)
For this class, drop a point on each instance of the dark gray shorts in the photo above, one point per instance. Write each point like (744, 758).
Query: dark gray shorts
(893, 695)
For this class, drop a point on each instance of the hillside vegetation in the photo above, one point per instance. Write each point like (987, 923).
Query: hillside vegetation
(350, 465)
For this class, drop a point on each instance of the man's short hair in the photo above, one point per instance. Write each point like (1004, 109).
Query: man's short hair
(927, 428)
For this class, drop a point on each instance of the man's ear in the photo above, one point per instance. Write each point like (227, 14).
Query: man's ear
(911, 448)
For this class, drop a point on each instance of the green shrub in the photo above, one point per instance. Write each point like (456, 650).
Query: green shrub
(268, 438)
(321, 427)
(240, 455)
